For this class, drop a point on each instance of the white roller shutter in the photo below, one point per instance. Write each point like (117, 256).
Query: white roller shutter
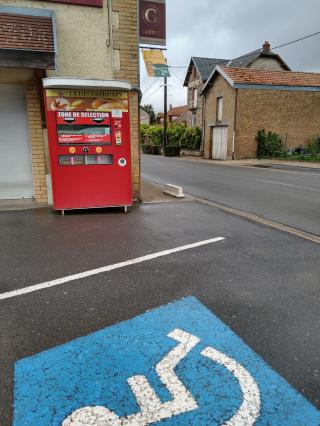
(16, 179)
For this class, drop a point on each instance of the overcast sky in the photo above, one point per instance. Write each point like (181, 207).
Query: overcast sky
(231, 28)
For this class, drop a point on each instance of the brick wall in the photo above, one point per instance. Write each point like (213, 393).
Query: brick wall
(36, 142)
(125, 41)
(294, 115)
(220, 88)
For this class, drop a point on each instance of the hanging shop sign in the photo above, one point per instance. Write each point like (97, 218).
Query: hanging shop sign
(155, 63)
(152, 22)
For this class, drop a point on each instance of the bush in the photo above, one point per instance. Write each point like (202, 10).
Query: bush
(269, 144)
(143, 132)
(175, 133)
(171, 151)
(146, 148)
(151, 135)
(155, 150)
(313, 147)
(178, 135)
(191, 139)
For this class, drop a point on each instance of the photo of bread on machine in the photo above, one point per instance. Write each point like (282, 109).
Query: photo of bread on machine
(86, 100)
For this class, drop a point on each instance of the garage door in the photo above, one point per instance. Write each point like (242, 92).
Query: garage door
(219, 142)
(15, 153)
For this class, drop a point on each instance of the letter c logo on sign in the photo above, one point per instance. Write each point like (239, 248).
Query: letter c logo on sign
(151, 15)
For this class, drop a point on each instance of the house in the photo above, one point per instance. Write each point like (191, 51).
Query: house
(160, 118)
(200, 69)
(238, 102)
(175, 115)
(83, 39)
(183, 117)
(144, 116)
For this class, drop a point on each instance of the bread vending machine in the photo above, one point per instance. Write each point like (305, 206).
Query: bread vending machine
(89, 143)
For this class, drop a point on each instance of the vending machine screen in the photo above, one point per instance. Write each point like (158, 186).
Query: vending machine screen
(83, 128)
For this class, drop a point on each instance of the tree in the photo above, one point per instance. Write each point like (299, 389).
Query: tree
(150, 111)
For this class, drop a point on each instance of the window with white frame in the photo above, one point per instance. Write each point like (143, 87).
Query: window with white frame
(195, 97)
(219, 108)
(193, 119)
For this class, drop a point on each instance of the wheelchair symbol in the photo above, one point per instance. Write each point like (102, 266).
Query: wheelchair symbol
(152, 410)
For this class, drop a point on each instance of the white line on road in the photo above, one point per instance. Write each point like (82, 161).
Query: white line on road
(288, 184)
(103, 269)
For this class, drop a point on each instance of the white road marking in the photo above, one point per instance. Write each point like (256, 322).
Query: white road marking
(103, 269)
(250, 408)
(151, 408)
(288, 184)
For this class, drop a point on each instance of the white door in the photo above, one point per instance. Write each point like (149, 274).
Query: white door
(219, 142)
(16, 179)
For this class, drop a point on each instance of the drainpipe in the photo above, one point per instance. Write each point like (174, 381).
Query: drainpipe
(235, 127)
(204, 106)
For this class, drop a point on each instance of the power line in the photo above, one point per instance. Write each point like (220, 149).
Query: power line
(176, 77)
(151, 85)
(255, 51)
(153, 93)
(278, 47)
(295, 41)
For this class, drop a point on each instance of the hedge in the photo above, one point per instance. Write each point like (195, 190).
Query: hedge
(178, 135)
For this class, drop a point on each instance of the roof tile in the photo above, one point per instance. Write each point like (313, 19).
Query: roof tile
(26, 32)
(275, 78)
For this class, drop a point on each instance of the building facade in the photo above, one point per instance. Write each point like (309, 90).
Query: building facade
(200, 70)
(84, 39)
(144, 116)
(176, 115)
(240, 102)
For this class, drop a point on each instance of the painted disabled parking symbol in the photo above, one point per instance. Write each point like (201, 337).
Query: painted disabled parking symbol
(151, 408)
(177, 364)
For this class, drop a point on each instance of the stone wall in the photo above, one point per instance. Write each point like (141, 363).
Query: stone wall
(265, 63)
(195, 82)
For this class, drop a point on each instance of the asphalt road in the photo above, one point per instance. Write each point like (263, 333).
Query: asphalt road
(262, 283)
(289, 197)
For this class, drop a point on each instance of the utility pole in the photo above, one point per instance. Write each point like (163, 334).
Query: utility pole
(165, 113)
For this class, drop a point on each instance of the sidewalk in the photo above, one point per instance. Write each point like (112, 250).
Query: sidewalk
(254, 162)
(153, 193)
(25, 204)
(150, 193)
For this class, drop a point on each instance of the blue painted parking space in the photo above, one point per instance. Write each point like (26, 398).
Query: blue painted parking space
(177, 364)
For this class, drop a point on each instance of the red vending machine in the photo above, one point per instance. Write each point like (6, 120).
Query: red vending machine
(89, 143)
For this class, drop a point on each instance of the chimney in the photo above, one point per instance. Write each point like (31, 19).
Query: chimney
(170, 107)
(266, 47)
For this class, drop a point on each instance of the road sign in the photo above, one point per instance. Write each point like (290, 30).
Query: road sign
(178, 364)
(155, 63)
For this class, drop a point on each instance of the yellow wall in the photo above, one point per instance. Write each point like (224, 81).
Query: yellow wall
(82, 33)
